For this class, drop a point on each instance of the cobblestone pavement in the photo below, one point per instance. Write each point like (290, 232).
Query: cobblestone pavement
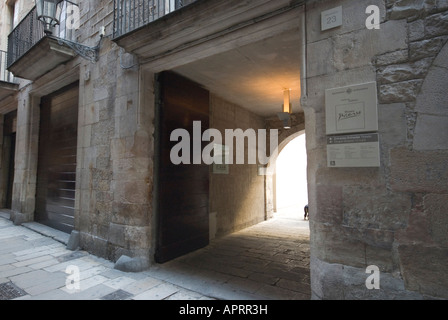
(269, 261)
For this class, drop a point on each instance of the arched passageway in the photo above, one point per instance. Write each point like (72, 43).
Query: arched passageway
(270, 260)
(291, 192)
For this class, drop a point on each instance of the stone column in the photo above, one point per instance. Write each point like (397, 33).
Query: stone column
(114, 206)
(27, 140)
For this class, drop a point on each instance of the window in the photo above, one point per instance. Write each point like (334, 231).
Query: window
(13, 16)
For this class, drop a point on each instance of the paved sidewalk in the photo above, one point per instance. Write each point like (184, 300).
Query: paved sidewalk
(269, 261)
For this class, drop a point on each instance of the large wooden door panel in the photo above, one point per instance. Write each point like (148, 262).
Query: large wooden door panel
(183, 190)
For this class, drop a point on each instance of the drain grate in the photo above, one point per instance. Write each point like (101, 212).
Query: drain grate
(117, 295)
(9, 291)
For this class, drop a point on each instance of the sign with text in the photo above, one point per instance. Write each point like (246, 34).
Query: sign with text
(353, 150)
(351, 109)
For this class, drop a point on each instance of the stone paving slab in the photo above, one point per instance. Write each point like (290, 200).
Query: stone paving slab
(160, 292)
(138, 287)
(53, 281)
(47, 231)
(13, 272)
(269, 261)
(33, 261)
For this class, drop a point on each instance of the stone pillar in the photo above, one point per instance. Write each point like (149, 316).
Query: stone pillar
(115, 157)
(27, 140)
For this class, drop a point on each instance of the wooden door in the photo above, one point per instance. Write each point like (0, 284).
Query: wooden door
(56, 173)
(183, 190)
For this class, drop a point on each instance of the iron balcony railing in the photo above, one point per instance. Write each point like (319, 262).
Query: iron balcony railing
(30, 31)
(133, 14)
(5, 75)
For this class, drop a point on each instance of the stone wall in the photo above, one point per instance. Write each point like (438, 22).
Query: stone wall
(11, 12)
(115, 143)
(422, 246)
(237, 198)
(115, 146)
(114, 160)
(5, 25)
(394, 216)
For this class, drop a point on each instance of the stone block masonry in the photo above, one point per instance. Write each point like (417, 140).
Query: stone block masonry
(115, 171)
(393, 216)
(113, 199)
(236, 197)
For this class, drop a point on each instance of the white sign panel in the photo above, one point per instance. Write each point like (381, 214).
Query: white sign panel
(351, 109)
(331, 18)
(355, 150)
(221, 152)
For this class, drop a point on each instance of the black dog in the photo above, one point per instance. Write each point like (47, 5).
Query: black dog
(307, 215)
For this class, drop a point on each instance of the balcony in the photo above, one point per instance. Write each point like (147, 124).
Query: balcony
(8, 84)
(32, 53)
(167, 37)
(130, 15)
(246, 52)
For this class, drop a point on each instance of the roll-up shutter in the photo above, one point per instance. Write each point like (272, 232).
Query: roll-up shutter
(56, 174)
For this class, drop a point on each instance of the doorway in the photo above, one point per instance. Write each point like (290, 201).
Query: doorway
(56, 172)
(9, 150)
(183, 189)
(291, 191)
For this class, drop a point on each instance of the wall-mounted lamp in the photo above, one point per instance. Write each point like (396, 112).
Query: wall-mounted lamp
(47, 12)
(287, 109)
(287, 106)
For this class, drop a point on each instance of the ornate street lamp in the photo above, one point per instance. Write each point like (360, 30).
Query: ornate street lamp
(46, 12)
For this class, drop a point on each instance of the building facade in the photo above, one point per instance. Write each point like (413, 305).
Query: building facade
(87, 125)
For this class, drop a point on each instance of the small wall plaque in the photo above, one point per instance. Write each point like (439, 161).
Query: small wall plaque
(331, 18)
(221, 152)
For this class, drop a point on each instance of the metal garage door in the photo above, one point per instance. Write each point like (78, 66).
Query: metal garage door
(56, 173)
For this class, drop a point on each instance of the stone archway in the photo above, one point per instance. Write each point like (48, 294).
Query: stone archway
(285, 136)
(291, 185)
(432, 114)
(425, 239)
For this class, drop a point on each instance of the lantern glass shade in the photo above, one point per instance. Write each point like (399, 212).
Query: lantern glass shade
(47, 13)
(285, 115)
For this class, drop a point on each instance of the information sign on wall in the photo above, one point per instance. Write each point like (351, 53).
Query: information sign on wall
(353, 150)
(351, 109)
